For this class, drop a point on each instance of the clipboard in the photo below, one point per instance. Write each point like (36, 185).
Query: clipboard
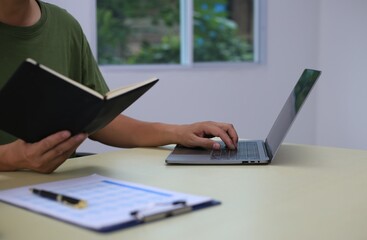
(111, 204)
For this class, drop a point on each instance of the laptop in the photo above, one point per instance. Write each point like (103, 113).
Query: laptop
(253, 151)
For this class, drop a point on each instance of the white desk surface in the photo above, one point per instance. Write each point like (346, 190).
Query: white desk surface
(307, 192)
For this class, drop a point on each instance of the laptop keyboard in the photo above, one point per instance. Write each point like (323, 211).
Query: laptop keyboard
(245, 150)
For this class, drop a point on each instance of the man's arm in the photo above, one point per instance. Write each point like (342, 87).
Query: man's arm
(128, 132)
(48, 154)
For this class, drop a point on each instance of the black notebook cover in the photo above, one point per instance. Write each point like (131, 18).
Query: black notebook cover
(37, 102)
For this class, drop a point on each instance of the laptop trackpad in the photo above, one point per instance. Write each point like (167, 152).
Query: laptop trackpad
(181, 150)
(188, 155)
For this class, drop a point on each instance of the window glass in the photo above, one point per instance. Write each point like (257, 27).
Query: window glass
(138, 31)
(223, 30)
(148, 32)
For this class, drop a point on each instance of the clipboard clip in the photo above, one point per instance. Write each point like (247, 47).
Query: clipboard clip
(158, 211)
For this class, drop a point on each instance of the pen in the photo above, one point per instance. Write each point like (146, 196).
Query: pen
(74, 202)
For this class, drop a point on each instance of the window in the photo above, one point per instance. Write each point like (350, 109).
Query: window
(176, 31)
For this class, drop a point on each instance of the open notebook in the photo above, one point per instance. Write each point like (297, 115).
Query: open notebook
(37, 101)
(110, 204)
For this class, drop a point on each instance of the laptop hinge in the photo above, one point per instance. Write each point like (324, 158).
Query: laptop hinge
(267, 148)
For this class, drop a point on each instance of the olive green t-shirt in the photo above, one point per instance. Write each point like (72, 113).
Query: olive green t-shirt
(56, 41)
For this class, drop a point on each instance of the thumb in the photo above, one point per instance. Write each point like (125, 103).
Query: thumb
(207, 143)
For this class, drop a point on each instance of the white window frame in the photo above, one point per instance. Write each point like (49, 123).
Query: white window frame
(187, 48)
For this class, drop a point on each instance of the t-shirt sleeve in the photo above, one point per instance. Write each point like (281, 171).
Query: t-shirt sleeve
(91, 75)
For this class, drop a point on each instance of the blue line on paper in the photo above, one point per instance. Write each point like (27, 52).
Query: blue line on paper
(137, 188)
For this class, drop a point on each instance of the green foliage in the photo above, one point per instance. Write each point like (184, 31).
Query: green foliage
(112, 41)
(167, 51)
(114, 27)
(216, 37)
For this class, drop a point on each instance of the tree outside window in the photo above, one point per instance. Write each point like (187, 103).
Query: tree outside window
(148, 32)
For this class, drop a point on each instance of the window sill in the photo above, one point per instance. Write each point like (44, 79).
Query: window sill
(180, 67)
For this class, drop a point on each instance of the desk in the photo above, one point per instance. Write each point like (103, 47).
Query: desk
(307, 192)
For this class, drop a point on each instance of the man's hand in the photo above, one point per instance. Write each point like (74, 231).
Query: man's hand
(198, 134)
(43, 156)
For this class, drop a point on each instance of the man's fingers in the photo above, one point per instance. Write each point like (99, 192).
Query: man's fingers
(230, 131)
(226, 132)
(52, 141)
(58, 155)
(67, 147)
(55, 150)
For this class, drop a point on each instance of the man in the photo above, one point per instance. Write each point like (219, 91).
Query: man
(48, 34)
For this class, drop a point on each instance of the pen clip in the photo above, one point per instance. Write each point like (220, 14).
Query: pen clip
(158, 211)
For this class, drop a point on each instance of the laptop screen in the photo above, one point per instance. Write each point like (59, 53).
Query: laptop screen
(290, 109)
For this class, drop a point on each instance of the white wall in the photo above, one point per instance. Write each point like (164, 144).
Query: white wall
(341, 112)
(300, 34)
